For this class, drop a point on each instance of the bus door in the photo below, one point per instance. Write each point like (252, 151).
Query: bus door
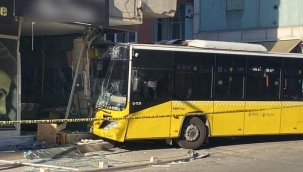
(229, 95)
(151, 91)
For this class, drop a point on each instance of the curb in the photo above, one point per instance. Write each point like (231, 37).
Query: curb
(138, 166)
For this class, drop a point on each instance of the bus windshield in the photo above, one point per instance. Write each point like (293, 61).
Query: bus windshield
(114, 86)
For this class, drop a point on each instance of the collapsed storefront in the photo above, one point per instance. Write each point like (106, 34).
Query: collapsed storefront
(49, 51)
(41, 81)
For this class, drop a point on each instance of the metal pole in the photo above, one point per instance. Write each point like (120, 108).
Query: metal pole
(43, 69)
(76, 76)
(75, 80)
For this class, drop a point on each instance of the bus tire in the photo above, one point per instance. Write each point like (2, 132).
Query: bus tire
(193, 134)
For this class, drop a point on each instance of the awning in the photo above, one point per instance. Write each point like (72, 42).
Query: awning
(281, 46)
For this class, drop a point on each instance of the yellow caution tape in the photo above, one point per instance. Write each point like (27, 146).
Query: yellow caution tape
(49, 121)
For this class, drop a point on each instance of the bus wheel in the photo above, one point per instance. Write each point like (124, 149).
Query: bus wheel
(193, 134)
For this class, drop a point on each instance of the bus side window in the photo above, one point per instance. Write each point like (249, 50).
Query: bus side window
(292, 80)
(230, 77)
(154, 84)
(193, 76)
(264, 78)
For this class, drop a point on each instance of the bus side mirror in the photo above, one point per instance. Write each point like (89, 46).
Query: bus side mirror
(136, 82)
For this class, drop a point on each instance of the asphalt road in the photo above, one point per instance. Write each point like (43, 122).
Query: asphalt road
(250, 154)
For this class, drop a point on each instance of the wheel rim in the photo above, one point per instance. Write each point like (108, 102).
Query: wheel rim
(191, 133)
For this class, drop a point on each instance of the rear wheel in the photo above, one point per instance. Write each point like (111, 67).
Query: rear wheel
(193, 134)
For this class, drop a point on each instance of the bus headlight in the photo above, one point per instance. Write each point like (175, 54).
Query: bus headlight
(111, 125)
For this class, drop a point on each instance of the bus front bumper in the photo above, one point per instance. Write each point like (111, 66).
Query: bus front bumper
(113, 130)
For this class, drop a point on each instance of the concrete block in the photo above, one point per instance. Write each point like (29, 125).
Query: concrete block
(44, 170)
(103, 164)
(153, 159)
(47, 133)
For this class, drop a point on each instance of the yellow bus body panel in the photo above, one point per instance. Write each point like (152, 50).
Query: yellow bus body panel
(225, 122)
(292, 117)
(150, 127)
(185, 107)
(224, 118)
(262, 117)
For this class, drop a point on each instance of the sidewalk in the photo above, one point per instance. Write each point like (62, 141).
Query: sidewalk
(117, 158)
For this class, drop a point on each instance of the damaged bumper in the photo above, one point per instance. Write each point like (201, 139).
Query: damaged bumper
(113, 130)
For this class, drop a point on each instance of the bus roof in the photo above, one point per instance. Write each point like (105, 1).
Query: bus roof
(218, 47)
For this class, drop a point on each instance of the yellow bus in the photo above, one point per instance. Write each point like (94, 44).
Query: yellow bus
(200, 89)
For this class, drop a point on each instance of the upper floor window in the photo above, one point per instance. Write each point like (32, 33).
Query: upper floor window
(123, 37)
(171, 28)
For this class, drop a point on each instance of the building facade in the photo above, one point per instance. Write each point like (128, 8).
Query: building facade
(277, 24)
(178, 27)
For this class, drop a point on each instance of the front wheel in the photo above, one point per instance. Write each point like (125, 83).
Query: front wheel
(193, 134)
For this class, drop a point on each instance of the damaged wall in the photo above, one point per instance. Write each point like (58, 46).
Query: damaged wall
(47, 78)
(46, 70)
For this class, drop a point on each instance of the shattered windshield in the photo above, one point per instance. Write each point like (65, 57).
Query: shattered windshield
(114, 86)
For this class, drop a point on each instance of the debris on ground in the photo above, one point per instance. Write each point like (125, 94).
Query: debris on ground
(37, 165)
(162, 166)
(90, 141)
(202, 156)
(198, 156)
(154, 159)
(195, 155)
(179, 162)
